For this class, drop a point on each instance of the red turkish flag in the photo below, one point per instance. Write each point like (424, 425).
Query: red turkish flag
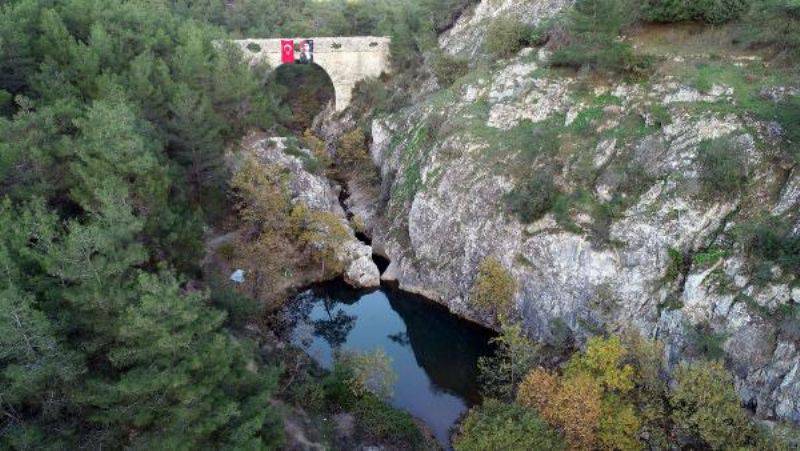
(287, 51)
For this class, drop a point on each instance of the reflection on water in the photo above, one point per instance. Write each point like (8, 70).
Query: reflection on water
(433, 352)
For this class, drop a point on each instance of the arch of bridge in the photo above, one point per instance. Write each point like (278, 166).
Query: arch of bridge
(346, 60)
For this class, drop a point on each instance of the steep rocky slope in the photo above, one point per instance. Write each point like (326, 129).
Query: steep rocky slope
(633, 239)
(319, 194)
(308, 193)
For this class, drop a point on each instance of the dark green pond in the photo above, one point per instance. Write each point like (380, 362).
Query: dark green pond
(433, 352)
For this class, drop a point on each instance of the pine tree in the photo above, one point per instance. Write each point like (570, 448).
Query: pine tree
(175, 377)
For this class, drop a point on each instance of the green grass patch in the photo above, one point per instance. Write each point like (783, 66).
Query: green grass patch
(586, 120)
(412, 158)
(748, 82)
(631, 127)
(660, 114)
(310, 162)
(709, 257)
(677, 266)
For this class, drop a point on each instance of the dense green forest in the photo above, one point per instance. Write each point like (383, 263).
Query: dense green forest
(115, 116)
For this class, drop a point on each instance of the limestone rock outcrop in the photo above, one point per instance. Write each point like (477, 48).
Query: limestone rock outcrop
(318, 193)
(442, 210)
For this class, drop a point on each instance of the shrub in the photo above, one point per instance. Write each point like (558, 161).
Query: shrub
(353, 156)
(448, 68)
(352, 149)
(513, 358)
(226, 251)
(660, 115)
(498, 426)
(775, 23)
(375, 419)
(709, 11)
(709, 257)
(368, 373)
(593, 30)
(610, 56)
(561, 339)
(382, 422)
(506, 36)
(666, 11)
(317, 147)
(372, 95)
(494, 287)
(719, 11)
(310, 161)
(705, 405)
(678, 265)
(721, 168)
(769, 241)
(338, 395)
(533, 198)
(705, 341)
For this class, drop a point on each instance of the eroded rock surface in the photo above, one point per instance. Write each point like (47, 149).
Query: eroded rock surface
(317, 193)
(443, 211)
(468, 33)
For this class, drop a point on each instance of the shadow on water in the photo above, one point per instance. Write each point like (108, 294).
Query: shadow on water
(433, 352)
(445, 346)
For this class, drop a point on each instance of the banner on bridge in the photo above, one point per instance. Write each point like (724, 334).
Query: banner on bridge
(287, 51)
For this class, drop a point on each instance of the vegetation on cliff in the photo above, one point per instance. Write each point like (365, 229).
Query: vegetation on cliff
(612, 395)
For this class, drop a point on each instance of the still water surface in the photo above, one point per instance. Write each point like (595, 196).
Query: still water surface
(433, 352)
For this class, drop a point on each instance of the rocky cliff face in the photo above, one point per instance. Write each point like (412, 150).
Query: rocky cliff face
(318, 193)
(664, 262)
(466, 36)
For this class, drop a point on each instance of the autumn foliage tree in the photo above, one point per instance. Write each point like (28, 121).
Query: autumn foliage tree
(322, 234)
(494, 287)
(614, 395)
(705, 405)
(590, 402)
(572, 405)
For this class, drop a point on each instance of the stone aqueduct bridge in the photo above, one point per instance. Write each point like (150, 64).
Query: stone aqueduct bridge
(346, 60)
